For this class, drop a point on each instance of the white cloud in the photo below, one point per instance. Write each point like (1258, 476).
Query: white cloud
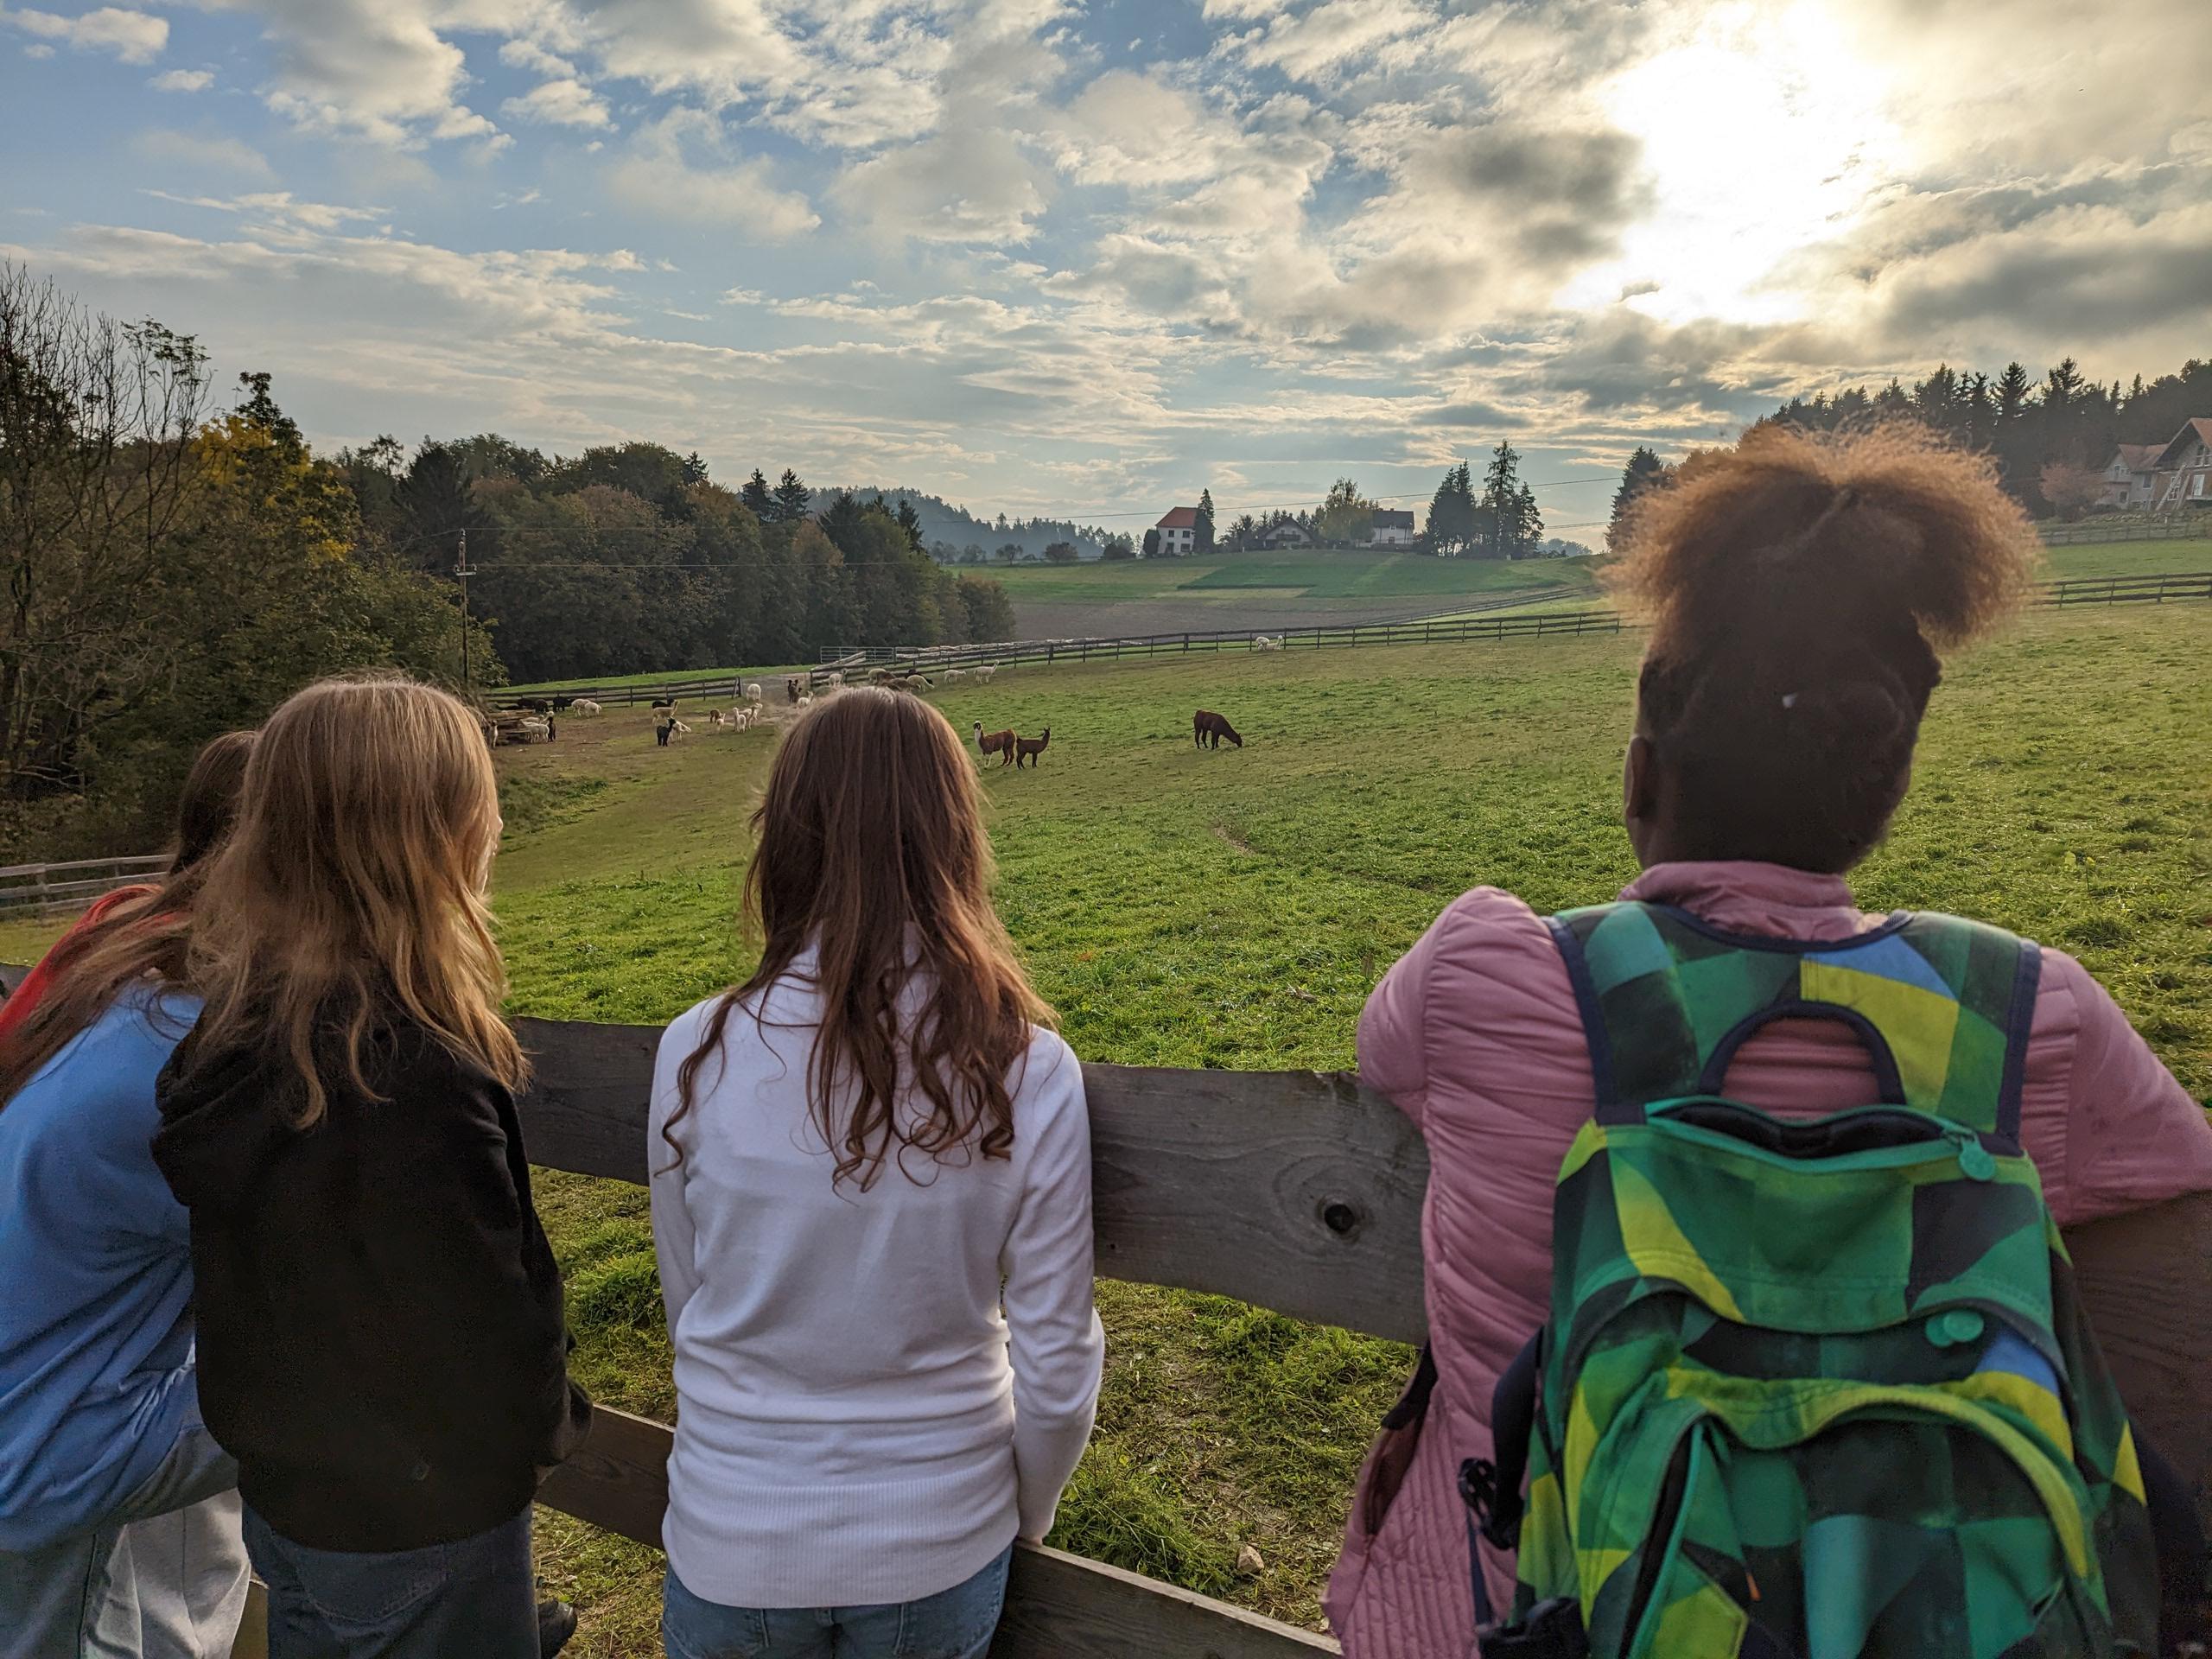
(564, 103)
(967, 184)
(279, 206)
(182, 81)
(202, 152)
(1322, 43)
(660, 176)
(529, 55)
(133, 36)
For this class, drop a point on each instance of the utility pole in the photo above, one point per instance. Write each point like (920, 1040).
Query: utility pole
(461, 570)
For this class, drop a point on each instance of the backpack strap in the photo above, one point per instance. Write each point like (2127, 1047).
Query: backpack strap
(1942, 1004)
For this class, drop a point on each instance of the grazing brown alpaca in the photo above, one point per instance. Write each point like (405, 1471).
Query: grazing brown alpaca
(1028, 748)
(1208, 724)
(998, 743)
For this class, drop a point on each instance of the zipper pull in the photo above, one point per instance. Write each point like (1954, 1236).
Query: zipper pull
(1975, 1161)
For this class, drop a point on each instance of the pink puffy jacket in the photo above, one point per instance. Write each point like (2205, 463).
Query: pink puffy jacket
(1474, 1034)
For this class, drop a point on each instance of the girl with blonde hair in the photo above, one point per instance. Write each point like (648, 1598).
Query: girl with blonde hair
(381, 1340)
(871, 1198)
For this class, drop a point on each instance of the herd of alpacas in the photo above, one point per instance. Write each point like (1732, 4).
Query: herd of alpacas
(527, 719)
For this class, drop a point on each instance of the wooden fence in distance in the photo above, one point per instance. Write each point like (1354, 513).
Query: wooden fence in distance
(2182, 527)
(28, 890)
(1457, 628)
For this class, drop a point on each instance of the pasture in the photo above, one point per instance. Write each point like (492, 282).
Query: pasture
(1233, 908)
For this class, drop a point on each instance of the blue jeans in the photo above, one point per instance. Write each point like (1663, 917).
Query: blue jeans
(473, 1597)
(954, 1623)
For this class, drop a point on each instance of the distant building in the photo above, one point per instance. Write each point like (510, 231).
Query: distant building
(2183, 469)
(2131, 475)
(1179, 533)
(1390, 528)
(1286, 534)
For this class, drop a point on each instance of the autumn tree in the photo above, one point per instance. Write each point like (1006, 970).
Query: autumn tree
(1346, 516)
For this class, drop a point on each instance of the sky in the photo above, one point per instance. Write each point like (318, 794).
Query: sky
(1037, 255)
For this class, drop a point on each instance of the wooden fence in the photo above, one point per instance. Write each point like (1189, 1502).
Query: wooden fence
(1300, 1192)
(2182, 527)
(855, 662)
(38, 889)
(1297, 1191)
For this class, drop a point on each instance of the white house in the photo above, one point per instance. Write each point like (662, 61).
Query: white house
(1179, 533)
(1286, 534)
(1390, 528)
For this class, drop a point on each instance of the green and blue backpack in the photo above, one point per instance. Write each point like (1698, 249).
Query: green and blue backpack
(1812, 1389)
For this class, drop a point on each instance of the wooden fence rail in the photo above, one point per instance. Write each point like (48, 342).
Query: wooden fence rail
(34, 890)
(1457, 627)
(1300, 1192)
(2182, 527)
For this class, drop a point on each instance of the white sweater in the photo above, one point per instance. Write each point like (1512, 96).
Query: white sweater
(857, 1422)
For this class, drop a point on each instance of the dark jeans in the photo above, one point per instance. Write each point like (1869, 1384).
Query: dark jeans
(472, 1598)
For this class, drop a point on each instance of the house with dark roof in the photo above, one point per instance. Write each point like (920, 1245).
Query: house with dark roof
(1389, 527)
(1288, 533)
(1179, 533)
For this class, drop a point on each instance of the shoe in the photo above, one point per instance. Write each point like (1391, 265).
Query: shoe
(556, 1622)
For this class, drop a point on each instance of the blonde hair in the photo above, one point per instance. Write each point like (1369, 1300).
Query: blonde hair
(352, 890)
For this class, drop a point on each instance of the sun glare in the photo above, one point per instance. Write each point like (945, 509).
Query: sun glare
(1763, 133)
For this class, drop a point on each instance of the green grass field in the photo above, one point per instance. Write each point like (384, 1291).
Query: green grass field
(2130, 558)
(1233, 909)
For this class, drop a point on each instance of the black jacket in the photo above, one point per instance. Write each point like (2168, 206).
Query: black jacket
(380, 1331)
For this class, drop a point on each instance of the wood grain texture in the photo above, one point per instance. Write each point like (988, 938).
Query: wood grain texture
(1061, 1606)
(1298, 1191)
(2145, 1281)
(1058, 1607)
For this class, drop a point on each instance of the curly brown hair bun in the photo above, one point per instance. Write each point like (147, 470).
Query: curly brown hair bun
(1798, 587)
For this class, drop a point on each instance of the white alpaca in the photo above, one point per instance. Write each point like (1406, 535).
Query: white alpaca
(752, 690)
(984, 674)
(584, 706)
(806, 700)
(1260, 642)
(955, 674)
(680, 729)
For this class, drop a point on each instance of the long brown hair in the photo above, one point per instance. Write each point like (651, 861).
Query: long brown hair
(1800, 588)
(352, 892)
(141, 937)
(870, 849)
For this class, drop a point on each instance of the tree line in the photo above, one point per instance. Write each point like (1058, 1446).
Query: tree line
(630, 558)
(2051, 438)
(174, 567)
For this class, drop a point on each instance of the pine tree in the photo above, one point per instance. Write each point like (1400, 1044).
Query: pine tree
(791, 498)
(1503, 500)
(1204, 539)
(2012, 394)
(756, 497)
(910, 520)
(1645, 469)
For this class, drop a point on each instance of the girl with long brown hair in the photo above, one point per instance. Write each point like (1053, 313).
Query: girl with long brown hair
(118, 1515)
(1802, 591)
(381, 1340)
(871, 1197)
